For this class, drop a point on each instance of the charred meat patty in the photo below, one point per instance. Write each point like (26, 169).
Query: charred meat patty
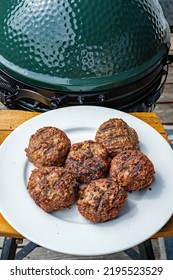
(48, 147)
(133, 169)
(87, 160)
(101, 200)
(116, 135)
(53, 188)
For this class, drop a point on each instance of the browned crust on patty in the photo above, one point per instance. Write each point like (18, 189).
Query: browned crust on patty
(87, 160)
(101, 200)
(53, 188)
(116, 135)
(48, 146)
(133, 169)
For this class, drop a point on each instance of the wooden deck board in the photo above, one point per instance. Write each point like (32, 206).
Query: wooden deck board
(164, 106)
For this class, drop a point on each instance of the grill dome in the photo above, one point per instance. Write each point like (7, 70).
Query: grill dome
(81, 45)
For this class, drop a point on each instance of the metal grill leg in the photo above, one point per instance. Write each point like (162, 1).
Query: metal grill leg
(26, 250)
(132, 254)
(146, 250)
(9, 249)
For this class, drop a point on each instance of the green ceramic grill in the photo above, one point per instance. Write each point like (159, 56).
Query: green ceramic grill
(77, 49)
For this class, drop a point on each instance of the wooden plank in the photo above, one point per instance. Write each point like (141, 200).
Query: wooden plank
(165, 112)
(153, 121)
(166, 231)
(170, 76)
(164, 105)
(10, 119)
(4, 134)
(171, 48)
(6, 230)
(167, 93)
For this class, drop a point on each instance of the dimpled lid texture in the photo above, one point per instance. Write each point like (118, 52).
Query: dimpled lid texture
(71, 44)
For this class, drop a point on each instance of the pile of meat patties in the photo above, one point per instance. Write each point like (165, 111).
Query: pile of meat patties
(96, 175)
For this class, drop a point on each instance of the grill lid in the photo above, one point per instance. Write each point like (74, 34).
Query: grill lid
(81, 45)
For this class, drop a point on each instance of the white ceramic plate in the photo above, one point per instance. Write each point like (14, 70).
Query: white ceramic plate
(67, 231)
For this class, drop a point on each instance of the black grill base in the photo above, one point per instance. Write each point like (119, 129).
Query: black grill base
(138, 96)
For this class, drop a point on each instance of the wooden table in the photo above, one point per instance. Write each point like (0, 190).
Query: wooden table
(10, 119)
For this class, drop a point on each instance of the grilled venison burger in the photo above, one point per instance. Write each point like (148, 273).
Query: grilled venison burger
(87, 161)
(53, 188)
(116, 135)
(133, 170)
(48, 146)
(101, 200)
